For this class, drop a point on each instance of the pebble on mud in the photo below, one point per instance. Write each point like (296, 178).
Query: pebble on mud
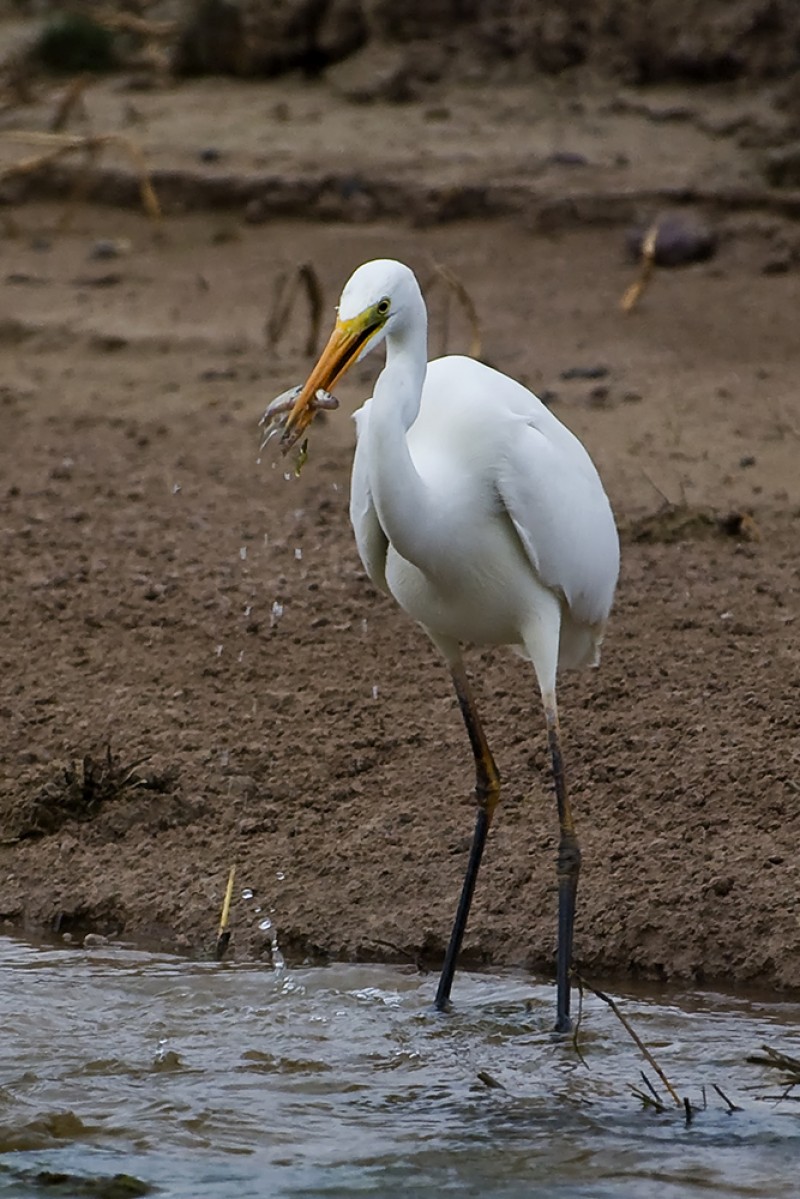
(680, 240)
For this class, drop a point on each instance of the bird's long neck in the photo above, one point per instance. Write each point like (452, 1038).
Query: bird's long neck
(399, 494)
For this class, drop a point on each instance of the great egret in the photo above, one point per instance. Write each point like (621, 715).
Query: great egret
(484, 517)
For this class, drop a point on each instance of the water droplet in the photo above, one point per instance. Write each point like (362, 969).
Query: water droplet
(240, 657)
(243, 552)
(247, 893)
(287, 476)
(176, 488)
(277, 611)
(218, 650)
(248, 608)
(298, 553)
(375, 691)
(280, 876)
(364, 626)
(265, 925)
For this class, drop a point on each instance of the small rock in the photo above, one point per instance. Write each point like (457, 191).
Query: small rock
(679, 241)
(93, 940)
(584, 372)
(782, 166)
(106, 247)
(747, 460)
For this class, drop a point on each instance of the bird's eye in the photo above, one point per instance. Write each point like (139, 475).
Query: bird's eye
(383, 306)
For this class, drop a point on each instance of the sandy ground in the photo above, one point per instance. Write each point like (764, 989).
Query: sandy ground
(169, 595)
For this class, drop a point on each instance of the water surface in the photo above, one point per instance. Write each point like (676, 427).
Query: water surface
(237, 1081)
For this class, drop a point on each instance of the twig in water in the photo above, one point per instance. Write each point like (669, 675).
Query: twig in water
(687, 1107)
(635, 1038)
(576, 1029)
(782, 1061)
(650, 1086)
(490, 1081)
(647, 1100)
(224, 933)
(731, 1106)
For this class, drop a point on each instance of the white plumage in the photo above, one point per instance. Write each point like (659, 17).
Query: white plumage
(482, 515)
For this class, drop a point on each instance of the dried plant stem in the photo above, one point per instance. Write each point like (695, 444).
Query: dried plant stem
(224, 935)
(646, 267)
(635, 1038)
(59, 145)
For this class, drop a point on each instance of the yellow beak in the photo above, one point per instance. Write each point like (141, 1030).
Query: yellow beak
(344, 345)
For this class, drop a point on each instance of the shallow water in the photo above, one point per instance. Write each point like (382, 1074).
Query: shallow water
(206, 1080)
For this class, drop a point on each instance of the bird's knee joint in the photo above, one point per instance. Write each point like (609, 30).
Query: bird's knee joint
(568, 862)
(487, 794)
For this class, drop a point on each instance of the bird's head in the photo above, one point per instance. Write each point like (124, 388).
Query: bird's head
(374, 299)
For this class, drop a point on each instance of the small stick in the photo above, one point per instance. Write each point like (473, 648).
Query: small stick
(224, 933)
(656, 1104)
(687, 1107)
(731, 1106)
(465, 299)
(576, 1029)
(489, 1081)
(635, 1038)
(650, 1086)
(646, 268)
(310, 280)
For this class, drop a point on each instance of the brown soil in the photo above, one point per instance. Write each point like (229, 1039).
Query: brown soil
(167, 595)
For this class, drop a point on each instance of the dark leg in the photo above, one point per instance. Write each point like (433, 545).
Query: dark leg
(487, 795)
(568, 865)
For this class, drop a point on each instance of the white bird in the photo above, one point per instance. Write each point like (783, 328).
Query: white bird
(486, 520)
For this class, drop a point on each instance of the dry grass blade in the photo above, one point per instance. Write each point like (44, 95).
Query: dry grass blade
(224, 933)
(646, 268)
(635, 1038)
(781, 1061)
(728, 1102)
(69, 102)
(457, 288)
(124, 22)
(59, 145)
(313, 287)
(286, 289)
(490, 1081)
(648, 1100)
(282, 304)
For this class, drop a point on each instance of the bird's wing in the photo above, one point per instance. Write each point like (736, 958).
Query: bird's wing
(371, 540)
(552, 492)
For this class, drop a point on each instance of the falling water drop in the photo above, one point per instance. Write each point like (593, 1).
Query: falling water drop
(243, 552)
(298, 553)
(247, 893)
(375, 691)
(277, 612)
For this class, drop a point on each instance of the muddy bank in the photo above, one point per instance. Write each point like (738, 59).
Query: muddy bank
(167, 595)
